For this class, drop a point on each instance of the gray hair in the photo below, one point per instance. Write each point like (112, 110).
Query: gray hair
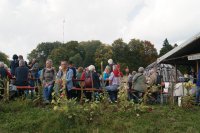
(141, 69)
(134, 72)
(1, 64)
(21, 63)
(49, 60)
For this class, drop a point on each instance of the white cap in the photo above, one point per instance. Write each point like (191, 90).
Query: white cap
(110, 61)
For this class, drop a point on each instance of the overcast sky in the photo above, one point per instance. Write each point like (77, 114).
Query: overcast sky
(25, 23)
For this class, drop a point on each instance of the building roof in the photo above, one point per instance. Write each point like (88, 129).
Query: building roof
(179, 54)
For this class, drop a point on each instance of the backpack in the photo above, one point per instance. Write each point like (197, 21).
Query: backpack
(88, 80)
(52, 70)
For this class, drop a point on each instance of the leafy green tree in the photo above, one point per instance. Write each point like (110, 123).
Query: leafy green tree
(136, 54)
(90, 48)
(150, 53)
(76, 59)
(42, 52)
(4, 58)
(57, 55)
(102, 54)
(166, 47)
(120, 49)
(68, 51)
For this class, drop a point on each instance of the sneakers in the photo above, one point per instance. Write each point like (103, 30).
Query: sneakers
(46, 102)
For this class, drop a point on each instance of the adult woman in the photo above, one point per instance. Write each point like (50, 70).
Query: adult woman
(106, 75)
(114, 81)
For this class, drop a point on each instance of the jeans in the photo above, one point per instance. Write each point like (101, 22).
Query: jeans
(112, 87)
(112, 91)
(47, 92)
(113, 95)
(197, 94)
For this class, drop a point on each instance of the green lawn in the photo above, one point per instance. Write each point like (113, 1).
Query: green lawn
(23, 116)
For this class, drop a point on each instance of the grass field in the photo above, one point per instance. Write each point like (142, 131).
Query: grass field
(22, 116)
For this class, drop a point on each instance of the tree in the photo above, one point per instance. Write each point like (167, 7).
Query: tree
(166, 47)
(102, 54)
(57, 55)
(135, 56)
(90, 48)
(42, 51)
(4, 58)
(77, 59)
(70, 51)
(150, 53)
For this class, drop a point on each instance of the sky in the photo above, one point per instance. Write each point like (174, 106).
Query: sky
(26, 23)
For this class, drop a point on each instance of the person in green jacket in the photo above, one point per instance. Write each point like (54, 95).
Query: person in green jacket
(139, 83)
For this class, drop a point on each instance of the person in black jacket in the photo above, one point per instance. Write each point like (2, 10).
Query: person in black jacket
(71, 66)
(14, 64)
(21, 74)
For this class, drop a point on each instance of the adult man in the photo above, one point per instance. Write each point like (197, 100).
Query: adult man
(47, 77)
(71, 66)
(21, 74)
(61, 75)
(139, 83)
(64, 77)
(20, 57)
(34, 68)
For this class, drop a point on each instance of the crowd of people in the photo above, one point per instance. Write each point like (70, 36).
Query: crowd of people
(22, 73)
(68, 77)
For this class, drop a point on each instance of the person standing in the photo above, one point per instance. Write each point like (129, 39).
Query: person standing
(139, 83)
(71, 66)
(48, 76)
(61, 76)
(69, 83)
(21, 74)
(20, 57)
(14, 64)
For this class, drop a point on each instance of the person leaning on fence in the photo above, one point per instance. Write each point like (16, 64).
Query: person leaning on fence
(69, 84)
(139, 84)
(114, 81)
(47, 77)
